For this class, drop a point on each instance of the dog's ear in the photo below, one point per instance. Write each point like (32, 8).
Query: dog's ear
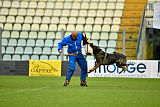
(91, 44)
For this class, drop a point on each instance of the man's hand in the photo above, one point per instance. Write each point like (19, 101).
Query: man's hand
(60, 51)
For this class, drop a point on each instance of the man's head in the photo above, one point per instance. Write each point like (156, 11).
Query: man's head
(74, 35)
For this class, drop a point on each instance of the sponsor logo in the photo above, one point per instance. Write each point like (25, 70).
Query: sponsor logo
(133, 67)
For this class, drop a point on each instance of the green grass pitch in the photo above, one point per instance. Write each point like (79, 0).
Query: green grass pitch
(24, 91)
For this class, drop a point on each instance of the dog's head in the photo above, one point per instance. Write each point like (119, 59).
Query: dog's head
(96, 49)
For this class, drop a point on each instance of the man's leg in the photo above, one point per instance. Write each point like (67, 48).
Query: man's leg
(83, 65)
(71, 69)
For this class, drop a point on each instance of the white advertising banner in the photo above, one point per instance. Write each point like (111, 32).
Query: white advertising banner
(136, 69)
(156, 16)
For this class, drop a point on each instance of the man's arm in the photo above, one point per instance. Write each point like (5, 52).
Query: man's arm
(84, 38)
(61, 44)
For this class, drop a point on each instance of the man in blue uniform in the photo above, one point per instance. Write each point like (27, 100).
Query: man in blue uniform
(75, 54)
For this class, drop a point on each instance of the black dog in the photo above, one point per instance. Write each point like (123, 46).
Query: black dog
(103, 58)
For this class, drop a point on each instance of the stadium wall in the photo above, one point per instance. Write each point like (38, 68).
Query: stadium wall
(136, 69)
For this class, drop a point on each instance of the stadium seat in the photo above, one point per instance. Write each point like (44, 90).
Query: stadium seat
(42, 35)
(31, 12)
(41, 5)
(79, 28)
(19, 50)
(46, 51)
(115, 28)
(5, 34)
(3, 19)
(10, 50)
(1, 25)
(43, 57)
(52, 57)
(39, 12)
(76, 5)
(30, 42)
(103, 43)
(19, 19)
(43, 27)
(55, 20)
(39, 43)
(120, 6)
(104, 36)
(81, 20)
(46, 20)
(32, 35)
(72, 20)
(67, 34)
(8, 26)
(109, 13)
(106, 28)
(57, 13)
(13, 12)
(70, 27)
(35, 27)
(6, 57)
(4, 11)
(15, 4)
(58, 35)
(60, 27)
(63, 20)
(95, 42)
(12, 42)
(88, 28)
(37, 20)
(100, 13)
(48, 12)
(10, 19)
(107, 21)
(95, 36)
(34, 57)
(111, 6)
(113, 36)
(110, 50)
(112, 43)
(99, 21)
(65, 13)
(6, 4)
(56, 42)
(97, 28)
(90, 20)
(67, 5)
(24, 34)
(48, 43)
(22, 12)
(55, 51)
(91, 13)
(28, 50)
(102, 6)
(118, 13)
(50, 35)
(4, 42)
(50, 5)
(32, 4)
(65, 51)
(37, 50)
(17, 27)
(14, 34)
(84, 5)
(52, 27)
(25, 57)
(21, 42)
(64, 58)
(116, 21)
(24, 4)
(74, 13)
(58, 5)
(93, 5)
(26, 27)
(83, 13)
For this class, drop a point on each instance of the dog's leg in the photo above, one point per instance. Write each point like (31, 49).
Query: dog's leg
(123, 68)
(95, 67)
(126, 67)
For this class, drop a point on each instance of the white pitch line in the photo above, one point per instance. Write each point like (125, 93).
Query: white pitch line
(35, 89)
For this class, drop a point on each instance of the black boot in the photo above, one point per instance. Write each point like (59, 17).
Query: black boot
(66, 83)
(83, 83)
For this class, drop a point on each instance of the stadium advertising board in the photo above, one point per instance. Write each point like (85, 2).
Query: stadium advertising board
(136, 69)
(45, 68)
(158, 70)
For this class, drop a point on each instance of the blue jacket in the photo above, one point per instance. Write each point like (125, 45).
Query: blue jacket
(73, 46)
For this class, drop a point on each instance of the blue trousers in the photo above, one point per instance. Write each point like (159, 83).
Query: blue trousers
(81, 62)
